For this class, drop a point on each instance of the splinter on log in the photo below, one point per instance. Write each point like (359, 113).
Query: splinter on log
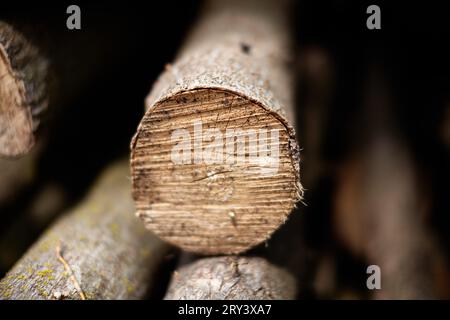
(215, 162)
(231, 278)
(23, 91)
(97, 251)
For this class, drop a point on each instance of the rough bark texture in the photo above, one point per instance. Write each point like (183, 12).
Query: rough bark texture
(231, 278)
(232, 74)
(23, 91)
(380, 206)
(98, 250)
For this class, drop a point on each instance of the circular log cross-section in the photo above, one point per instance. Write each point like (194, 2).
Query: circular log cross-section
(214, 171)
(215, 161)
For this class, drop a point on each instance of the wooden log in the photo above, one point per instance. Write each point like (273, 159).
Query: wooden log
(23, 91)
(215, 162)
(291, 245)
(98, 250)
(231, 278)
(52, 65)
(288, 247)
(381, 205)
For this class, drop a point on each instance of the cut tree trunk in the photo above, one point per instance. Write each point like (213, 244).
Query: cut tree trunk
(215, 162)
(97, 251)
(23, 91)
(231, 278)
(381, 206)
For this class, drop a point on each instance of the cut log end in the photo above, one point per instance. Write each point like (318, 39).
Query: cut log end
(23, 91)
(16, 124)
(213, 171)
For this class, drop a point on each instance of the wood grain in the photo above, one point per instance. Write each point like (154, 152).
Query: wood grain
(232, 73)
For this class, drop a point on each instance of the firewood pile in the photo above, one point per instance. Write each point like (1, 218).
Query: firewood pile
(221, 150)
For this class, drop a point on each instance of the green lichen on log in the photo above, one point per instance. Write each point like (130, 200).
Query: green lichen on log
(109, 253)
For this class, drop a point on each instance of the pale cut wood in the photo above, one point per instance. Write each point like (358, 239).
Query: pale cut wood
(233, 73)
(97, 250)
(23, 91)
(231, 278)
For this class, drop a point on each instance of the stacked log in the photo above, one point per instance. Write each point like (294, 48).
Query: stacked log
(97, 250)
(215, 162)
(231, 278)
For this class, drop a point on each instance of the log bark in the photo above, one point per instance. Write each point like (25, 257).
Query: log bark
(381, 206)
(232, 81)
(98, 250)
(231, 278)
(290, 246)
(23, 91)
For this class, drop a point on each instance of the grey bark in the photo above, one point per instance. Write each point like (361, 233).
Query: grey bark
(231, 278)
(110, 254)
